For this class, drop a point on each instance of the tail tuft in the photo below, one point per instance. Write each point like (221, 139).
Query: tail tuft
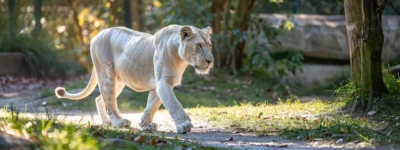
(60, 92)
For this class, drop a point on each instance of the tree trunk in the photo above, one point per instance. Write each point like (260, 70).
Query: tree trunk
(216, 24)
(364, 27)
(116, 15)
(137, 12)
(353, 13)
(38, 16)
(12, 21)
(78, 30)
(241, 22)
(225, 30)
(217, 7)
(371, 54)
(127, 14)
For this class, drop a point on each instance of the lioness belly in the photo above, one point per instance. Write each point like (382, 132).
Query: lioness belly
(135, 75)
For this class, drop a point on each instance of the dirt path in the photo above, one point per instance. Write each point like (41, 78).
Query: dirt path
(206, 134)
(203, 132)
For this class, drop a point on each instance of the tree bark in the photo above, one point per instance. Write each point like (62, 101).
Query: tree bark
(216, 24)
(137, 11)
(12, 21)
(353, 13)
(116, 15)
(364, 28)
(371, 54)
(241, 21)
(38, 16)
(127, 14)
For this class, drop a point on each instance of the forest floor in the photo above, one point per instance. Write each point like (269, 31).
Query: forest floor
(223, 116)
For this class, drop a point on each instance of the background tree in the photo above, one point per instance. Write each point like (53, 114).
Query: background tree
(12, 21)
(38, 15)
(137, 14)
(127, 14)
(364, 28)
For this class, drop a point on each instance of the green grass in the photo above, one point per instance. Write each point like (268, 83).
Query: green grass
(249, 103)
(305, 121)
(216, 89)
(48, 132)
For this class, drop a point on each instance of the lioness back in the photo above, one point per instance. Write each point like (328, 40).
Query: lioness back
(130, 52)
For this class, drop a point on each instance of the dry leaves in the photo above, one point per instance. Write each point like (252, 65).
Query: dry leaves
(9, 84)
(140, 139)
(97, 133)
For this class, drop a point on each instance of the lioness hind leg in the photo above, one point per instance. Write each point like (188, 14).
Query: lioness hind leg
(101, 109)
(110, 88)
(153, 103)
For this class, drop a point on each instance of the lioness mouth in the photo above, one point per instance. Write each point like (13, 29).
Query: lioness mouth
(197, 67)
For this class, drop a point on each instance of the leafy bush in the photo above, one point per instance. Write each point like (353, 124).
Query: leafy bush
(184, 12)
(350, 90)
(391, 81)
(260, 47)
(38, 53)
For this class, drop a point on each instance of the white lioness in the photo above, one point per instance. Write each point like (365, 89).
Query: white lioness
(145, 62)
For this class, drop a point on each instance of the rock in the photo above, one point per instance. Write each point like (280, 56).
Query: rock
(10, 63)
(326, 36)
(370, 113)
(313, 74)
(395, 70)
(8, 141)
(115, 143)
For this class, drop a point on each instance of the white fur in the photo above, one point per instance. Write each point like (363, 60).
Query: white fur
(145, 62)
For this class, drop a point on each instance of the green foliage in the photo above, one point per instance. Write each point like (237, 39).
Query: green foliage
(39, 54)
(184, 12)
(391, 81)
(47, 133)
(329, 7)
(260, 47)
(351, 91)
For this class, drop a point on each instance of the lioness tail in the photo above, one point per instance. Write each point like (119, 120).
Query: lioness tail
(62, 93)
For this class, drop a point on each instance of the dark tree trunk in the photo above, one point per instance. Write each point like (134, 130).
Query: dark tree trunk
(12, 21)
(116, 15)
(127, 14)
(137, 12)
(241, 21)
(364, 27)
(371, 54)
(38, 16)
(216, 24)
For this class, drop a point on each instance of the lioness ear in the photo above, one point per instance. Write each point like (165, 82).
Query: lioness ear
(208, 30)
(186, 33)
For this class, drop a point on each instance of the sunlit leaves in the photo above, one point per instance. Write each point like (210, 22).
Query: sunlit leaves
(288, 25)
(157, 3)
(276, 1)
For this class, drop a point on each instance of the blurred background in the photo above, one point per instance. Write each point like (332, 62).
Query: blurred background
(264, 49)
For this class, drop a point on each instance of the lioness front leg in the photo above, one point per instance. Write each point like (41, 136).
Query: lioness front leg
(182, 120)
(153, 103)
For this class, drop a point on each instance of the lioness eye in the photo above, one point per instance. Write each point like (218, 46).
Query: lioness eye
(199, 45)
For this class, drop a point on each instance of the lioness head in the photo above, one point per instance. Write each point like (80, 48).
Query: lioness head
(195, 48)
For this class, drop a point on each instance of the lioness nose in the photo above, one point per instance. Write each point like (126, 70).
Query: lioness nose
(209, 61)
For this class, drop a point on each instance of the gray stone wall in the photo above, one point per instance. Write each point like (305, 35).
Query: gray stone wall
(326, 36)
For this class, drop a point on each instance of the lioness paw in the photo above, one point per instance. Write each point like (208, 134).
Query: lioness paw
(183, 128)
(106, 123)
(149, 127)
(121, 123)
